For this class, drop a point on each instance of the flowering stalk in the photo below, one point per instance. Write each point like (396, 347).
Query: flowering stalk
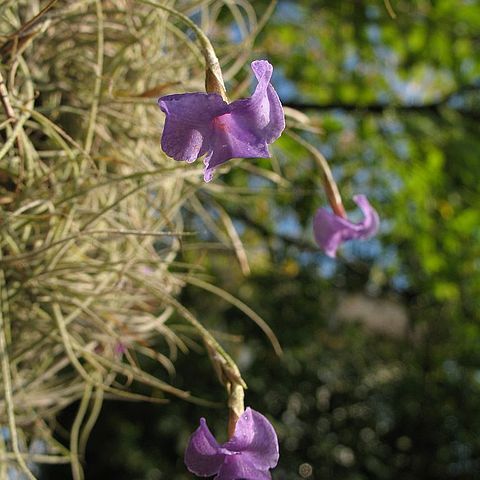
(329, 184)
(213, 73)
(230, 377)
(236, 406)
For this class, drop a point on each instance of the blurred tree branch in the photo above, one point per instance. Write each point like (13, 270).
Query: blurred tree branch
(270, 234)
(381, 107)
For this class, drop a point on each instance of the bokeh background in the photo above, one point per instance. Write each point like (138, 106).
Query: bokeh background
(380, 375)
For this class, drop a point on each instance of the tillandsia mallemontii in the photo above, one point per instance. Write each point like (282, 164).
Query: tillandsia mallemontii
(199, 124)
(331, 230)
(249, 454)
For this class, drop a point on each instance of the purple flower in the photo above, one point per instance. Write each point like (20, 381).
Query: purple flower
(120, 349)
(200, 123)
(331, 230)
(248, 455)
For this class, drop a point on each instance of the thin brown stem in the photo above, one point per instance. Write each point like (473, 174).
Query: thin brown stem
(329, 183)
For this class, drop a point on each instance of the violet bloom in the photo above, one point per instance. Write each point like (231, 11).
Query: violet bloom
(331, 231)
(203, 123)
(248, 455)
(120, 349)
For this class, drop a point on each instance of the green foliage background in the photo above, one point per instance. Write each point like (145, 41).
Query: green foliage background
(398, 104)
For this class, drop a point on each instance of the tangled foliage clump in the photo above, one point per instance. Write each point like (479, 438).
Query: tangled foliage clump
(91, 210)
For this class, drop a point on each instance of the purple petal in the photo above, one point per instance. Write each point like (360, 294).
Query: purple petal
(188, 129)
(203, 455)
(252, 124)
(232, 140)
(371, 221)
(276, 117)
(238, 467)
(255, 439)
(262, 113)
(331, 230)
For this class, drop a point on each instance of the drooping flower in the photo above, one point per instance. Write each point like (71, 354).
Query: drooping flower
(331, 230)
(199, 124)
(248, 455)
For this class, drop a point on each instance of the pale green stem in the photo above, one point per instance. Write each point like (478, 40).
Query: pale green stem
(7, 380)
(14, 135)
(98, 79)
(207, 336)
(3, 455)
(236, 302)
(92, 419)
(68, 345)
(214, 78)
(33, 457)
(77, 471)
(5, 99)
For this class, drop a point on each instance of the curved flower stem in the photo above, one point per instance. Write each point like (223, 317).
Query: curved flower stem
(213, 76)
(331, 188)
(236, 302)
(236, 406)
(229, 367)
(225, 367)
